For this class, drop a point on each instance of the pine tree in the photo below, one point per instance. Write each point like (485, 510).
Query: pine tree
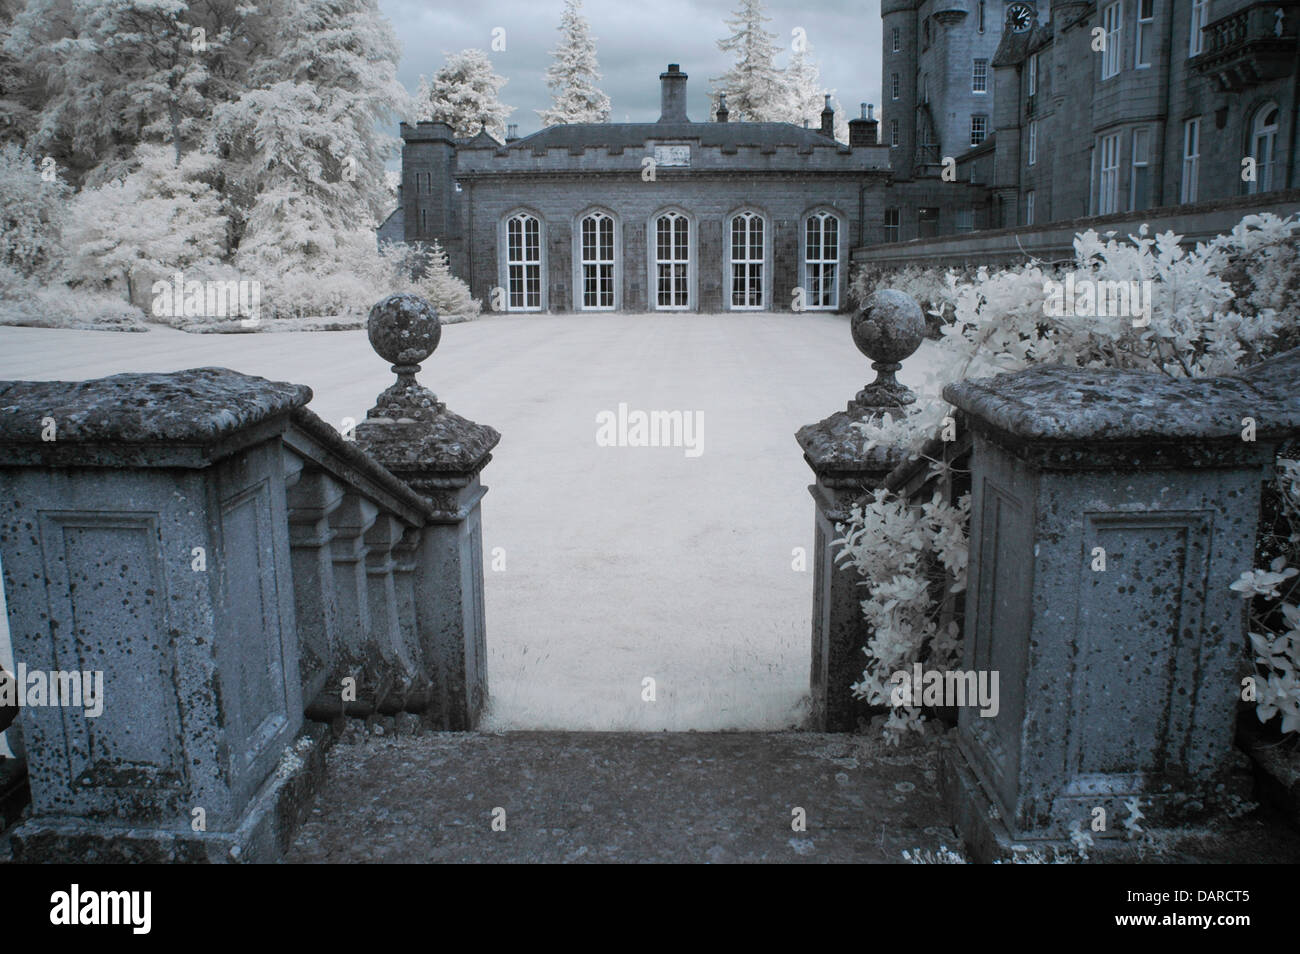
(574, 74)
(805, 98)
(753, 84)
(304, 147)
(464, 94)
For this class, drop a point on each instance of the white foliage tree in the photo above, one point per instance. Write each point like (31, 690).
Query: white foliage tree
(109, 74)
(805, 97)
(574, 75)
(31, 215)
(465, 94)
(161, 217)
(753, 84)
(305, 149)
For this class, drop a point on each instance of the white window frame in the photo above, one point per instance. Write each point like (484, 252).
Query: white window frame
(1200, 17)
(893, 133)
(982, 121)
(895, 86)
(1265, 165)
(1135, 164)
(753, 265)
(898, 39)
(1108, 178)
(1029, 207)
(1033, 141)
(892, 228)
(1112, 21)
(814, 270)
(979, 78)
(1033, 75)
(593, 267)
(1190, 186)
(681, 279)
(528, 265)
(1145, 34)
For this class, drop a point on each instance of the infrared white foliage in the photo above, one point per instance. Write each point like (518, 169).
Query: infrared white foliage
(465, 94)
(994, 322)
(574, 74)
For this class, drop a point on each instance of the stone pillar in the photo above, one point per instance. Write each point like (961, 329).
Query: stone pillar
(1118, 679)
(888, 329)
(440, 455)
(145, 548)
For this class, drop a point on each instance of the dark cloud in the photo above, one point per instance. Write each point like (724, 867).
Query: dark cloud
(634, 42)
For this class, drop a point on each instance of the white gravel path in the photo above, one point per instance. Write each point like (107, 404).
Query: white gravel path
(620, 563)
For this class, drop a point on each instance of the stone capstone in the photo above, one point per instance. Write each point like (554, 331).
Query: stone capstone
(201, 405)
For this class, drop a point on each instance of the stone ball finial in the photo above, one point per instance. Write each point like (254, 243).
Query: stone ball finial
(888, 329)
(404, 330)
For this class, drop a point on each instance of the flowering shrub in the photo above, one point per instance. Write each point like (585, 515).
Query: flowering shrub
(1220, 306)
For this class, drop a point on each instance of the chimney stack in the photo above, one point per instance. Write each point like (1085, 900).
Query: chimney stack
(864, 131)
(672, 86)
(512, 132)
(723, 112)
(828, 119)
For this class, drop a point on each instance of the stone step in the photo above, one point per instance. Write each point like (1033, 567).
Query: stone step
(673, 797)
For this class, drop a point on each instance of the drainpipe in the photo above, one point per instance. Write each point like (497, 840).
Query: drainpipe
(1295, 117)
(1164, 108)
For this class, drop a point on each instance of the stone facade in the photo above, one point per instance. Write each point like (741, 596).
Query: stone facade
(679, 215)
(1160, 118)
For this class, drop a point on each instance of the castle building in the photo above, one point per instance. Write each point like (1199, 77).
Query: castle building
(673, 215)
(1107, 107)
(1077, 108)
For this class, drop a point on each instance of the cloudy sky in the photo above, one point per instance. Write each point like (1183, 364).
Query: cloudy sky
(634, 42)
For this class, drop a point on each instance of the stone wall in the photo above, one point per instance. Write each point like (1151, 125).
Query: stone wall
(1055, 241)
(558, 201)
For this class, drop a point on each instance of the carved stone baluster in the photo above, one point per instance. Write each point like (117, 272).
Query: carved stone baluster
(350, 521)
(311, 502)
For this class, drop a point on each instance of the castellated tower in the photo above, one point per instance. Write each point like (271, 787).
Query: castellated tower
(430, 208)
(937, 79)
(898, 115)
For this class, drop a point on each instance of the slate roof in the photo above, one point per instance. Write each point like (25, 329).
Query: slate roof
(634, 135)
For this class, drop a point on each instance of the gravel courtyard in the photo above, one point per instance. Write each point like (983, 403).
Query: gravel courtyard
(603, 565)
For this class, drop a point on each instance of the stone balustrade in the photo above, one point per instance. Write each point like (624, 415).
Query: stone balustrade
(198, 562)
(1111, 510)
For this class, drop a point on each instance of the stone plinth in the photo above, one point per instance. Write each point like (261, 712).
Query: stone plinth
(145, 541)
(887, 330)
(440, 456)
(1119, 682)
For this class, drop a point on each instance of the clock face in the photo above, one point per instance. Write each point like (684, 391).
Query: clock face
(1020, 17)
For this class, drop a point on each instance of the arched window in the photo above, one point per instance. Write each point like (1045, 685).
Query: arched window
(597, 262)
(672, 261)
(1263, 146)
(822, 261)
(524, 262)
(747, 257)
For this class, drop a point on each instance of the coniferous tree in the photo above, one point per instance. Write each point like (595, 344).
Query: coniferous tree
(574, 75)
(465, 94)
